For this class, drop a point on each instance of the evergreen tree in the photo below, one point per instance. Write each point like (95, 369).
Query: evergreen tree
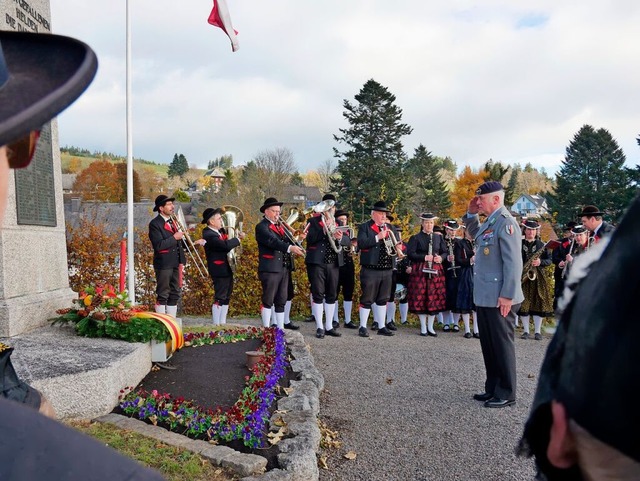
(371, 166)
(296, 179)
(224, 162)
(511, 190)
(592, 172)
(428, 191)
(178, 166)
(495, 170)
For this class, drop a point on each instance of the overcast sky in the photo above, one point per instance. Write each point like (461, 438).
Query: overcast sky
(508, 80)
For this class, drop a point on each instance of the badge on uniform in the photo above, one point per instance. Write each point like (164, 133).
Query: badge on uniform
(486, 251)
(509, 229)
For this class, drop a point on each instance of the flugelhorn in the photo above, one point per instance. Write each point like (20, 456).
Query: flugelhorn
(179, 223)
(232, 220)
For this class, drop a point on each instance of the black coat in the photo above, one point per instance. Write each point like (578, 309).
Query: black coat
(418, 246)
(216, 250)
(368, 245)
(318, 243)
(604, 230)
(168, 252)
(272, 247)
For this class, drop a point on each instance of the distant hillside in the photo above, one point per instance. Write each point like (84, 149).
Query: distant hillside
(72, 163)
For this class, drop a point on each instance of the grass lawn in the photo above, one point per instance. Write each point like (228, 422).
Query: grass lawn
(86, 161)
(175, 464)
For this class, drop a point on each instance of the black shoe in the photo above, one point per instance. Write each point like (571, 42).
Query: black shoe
(525, 335)
(385, 332)
(538, 336)
(350, 325)
(392, 326)
(446, 328)
(483, 396)
(362, 332)
(333, 333)
(311, 318)
(476, 335)
(335, 324)
(320, 333)
(432, 334)
(467, 335)
(292, 326)
(496, 402)
(424, 334)
(456, 328)
(374, 326)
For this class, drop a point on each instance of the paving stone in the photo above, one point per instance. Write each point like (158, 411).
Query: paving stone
(245, 464)
(303, 465)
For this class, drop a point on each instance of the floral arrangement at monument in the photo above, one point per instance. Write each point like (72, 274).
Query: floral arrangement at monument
(247, 420)
(101, 311)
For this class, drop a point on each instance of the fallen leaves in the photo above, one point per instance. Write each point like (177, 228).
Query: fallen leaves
(350, 455)
(275, 438)
(389, 380)
(328, 438)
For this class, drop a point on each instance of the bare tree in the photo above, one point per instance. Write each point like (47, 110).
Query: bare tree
(276, 165)
(325, 171)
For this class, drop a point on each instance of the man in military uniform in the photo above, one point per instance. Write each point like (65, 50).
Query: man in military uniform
(497, 292)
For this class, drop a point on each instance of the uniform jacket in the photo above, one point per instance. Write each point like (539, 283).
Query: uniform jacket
(272, 246)
(367, 244)
(216, 249)
(167, 251)
(498, 266)
(463, 252)
(318, 243)
(605, 229)
(418, 246)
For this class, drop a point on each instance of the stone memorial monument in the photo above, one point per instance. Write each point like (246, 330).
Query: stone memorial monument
(34, 279)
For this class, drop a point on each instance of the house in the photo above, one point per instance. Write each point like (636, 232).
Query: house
(217, 178)
(301, 195)
(530, 205)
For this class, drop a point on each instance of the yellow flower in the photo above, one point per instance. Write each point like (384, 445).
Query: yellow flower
(87, 300)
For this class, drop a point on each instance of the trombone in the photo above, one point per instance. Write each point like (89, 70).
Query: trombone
(180, 225)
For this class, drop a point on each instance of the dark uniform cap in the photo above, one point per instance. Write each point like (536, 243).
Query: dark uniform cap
(161, 200)
(452, 224)
(489, 187)
(209, 213)
(428, 216)
(531, 224)
(590, 210)
(592, 361)
(270, 202)
(380, 206)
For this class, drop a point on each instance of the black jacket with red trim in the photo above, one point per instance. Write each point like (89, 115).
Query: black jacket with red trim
(318, 243)
(216, 250)
(368, 246)
(167, 251)
(272, 246)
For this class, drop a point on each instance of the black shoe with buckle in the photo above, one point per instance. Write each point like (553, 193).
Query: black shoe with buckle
(467, 335)
(496, 402)
(362, 332)
(292, 326)
(483, 396)
(392, 326)
(350, 325)
(385, 332)
(456, 328)
(446, 328)
(432, 334)
(320, 333)
(332, 333)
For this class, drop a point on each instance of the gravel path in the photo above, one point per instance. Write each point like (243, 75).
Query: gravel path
(404, 405)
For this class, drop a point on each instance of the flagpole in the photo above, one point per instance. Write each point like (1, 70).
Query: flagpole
(130, 232)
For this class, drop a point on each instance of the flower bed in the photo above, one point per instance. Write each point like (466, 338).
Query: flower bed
(100, 311)
(245, 421)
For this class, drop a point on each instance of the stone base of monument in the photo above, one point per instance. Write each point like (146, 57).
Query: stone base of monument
(82, 377)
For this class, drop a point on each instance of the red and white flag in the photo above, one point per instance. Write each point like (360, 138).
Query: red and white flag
(220, 17)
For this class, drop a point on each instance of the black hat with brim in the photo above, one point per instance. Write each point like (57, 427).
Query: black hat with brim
(270, 202)
(340, 213)
(592, 360)
(329, 197)
(579, 229)
(428, 216)
(40, 76)
(531, 224)
(161, 200)
(380, 206)
(208, 213)
(452, 224)
(589, 211)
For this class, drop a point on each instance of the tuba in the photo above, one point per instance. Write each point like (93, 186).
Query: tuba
(232, 220)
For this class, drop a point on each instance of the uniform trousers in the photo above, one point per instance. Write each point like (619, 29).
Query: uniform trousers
(167, 286)
(274, 289)
(498, 350)
(347, 281)
(223, 288)
(376, 286)
(323, 279)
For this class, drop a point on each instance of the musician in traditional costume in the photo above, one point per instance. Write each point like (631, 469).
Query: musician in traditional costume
(465, 258)
(536, 283)
(398, 292)
(426, 291)
(275, 251)
(376, 269)
(558, 255)
(168, 255)
(346, 276)
(322, 261)
(591, 218)
(581, 243)
(217, 246)
(451, 315)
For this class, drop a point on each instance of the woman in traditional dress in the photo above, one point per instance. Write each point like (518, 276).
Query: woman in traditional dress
(426, 288)
(465, 258)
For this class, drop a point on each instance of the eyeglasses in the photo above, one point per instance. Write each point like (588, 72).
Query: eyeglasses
(22, 150)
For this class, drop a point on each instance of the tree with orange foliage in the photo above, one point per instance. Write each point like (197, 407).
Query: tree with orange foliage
(106, 182)
(464, 189)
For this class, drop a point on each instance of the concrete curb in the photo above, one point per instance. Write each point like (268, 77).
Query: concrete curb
(299, 411)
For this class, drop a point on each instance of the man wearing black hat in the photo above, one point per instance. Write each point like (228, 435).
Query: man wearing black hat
(346, 276)
(274, 261)
(497, 292)
(538, 296)
(217, 247)
(558, 255)
(324, 256)
(168, 255)
(584, 420)
(40, 76)
(591, 218)
(376, 269)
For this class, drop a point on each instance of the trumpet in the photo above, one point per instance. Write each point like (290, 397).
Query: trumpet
(392, 245)
(179, 224)
(232, 220)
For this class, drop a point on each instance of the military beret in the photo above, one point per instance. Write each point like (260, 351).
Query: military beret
(489, 187)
